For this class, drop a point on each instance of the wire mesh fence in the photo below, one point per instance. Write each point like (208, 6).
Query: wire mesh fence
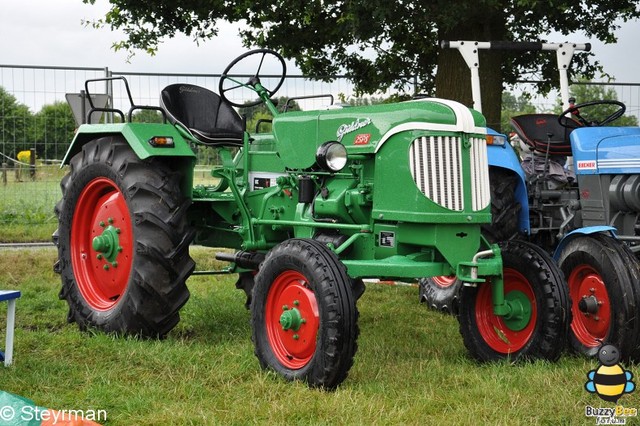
(35, 118)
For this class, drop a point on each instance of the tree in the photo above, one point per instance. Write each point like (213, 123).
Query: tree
(146, 116)
(15, 125)
(53, 129)
(585, 92)
(382, 44)
(260, 112)
(513, 105)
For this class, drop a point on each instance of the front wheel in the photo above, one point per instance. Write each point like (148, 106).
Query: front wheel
(532, 282)
(304, 314)
(123, 241)
(603, 278)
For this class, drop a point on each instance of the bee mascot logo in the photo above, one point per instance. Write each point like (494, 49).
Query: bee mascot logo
(609, 381)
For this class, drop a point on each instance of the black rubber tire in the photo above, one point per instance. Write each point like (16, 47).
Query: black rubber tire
(505, 209)
(337, 334)
(160, 261)
(438, 297)
(620, 273)
(545, 280)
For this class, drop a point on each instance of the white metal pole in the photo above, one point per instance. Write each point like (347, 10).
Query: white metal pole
(11, 322)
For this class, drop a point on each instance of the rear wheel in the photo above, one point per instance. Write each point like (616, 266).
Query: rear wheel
(440, 293)
(123, 241)
(539, 327)
(603, 279)
(505, 209)
(304, 314)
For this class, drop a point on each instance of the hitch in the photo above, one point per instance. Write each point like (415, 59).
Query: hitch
(515, 308)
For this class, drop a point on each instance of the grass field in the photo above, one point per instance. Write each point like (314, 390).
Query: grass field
(411, 366)
(26, 206)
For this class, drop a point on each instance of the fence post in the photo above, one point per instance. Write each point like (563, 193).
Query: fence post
(32, 164)
(4, 173)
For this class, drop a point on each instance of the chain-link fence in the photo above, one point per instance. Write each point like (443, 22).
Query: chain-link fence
(37, 125)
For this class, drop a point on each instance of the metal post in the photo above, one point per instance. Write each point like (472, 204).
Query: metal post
(32, 163)
(109, 91)
(83, 106)
(4, 173)
(11, 323)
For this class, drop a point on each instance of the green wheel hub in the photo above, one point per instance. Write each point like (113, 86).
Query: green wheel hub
(291, 319)
(107, 244)
(519, 310)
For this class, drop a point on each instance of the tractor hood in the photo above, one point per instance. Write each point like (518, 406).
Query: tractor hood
(606, 150)
(363, 130)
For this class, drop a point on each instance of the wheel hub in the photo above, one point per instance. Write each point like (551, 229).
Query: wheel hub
(107, 244)
(291, 319)
(519, 310)
(589, 305)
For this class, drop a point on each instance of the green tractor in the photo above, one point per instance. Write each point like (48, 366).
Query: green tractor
(327, 198)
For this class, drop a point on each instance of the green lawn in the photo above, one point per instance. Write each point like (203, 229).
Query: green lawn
(411, 366)
(26, 206)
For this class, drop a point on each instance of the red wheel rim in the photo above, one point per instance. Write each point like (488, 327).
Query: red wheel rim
(101, 281)
(586, 283)
(492, 327)
(293, 348)
(444, 281)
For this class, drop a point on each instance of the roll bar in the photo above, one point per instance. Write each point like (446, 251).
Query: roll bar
(469, 51)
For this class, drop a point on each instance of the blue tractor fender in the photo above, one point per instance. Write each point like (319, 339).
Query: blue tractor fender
(587, 230)
(501, 154)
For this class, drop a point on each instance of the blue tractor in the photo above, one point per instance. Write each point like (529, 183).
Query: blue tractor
(576, 194)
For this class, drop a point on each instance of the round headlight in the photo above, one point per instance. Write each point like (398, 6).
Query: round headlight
(331, 156)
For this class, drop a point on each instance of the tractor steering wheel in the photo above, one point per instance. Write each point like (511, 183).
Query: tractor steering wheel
(575, 111)
(259, 55)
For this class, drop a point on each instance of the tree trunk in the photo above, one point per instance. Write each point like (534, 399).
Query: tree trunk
(453, 78)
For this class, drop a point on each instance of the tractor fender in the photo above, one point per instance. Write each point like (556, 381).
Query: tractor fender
(587, 230)
(137, 136)
(504, 156)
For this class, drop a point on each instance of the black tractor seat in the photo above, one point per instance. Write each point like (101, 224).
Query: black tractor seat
(543, 131)
(203, 114)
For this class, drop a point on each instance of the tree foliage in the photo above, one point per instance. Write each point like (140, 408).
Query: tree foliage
(15, 124)
(261, 114)
(50, 130)
(382, 44)
(584, 92)
(513, 105)
(146, 116)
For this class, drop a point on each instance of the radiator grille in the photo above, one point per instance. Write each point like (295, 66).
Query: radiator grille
(435, 164)
(480, 190)
(436, 168)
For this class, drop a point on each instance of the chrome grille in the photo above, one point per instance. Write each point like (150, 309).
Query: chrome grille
(435, 164)
(480, 190)
(436, 168)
